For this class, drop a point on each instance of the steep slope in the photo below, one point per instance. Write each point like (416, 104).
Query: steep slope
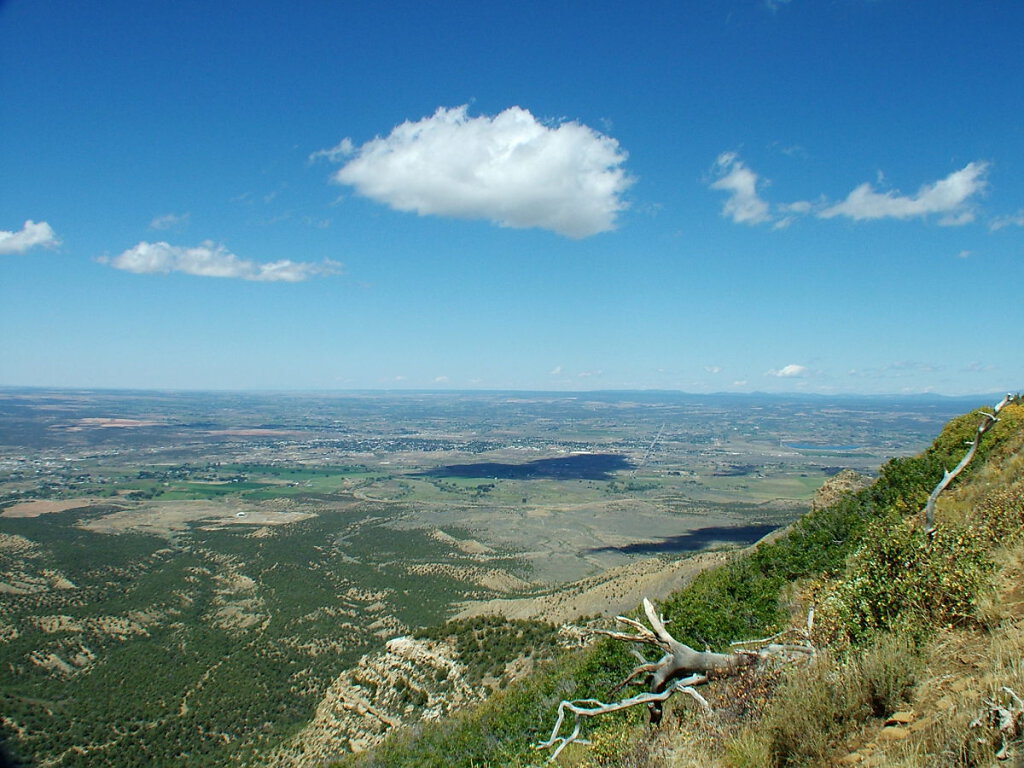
(758, 593)
(938, 679)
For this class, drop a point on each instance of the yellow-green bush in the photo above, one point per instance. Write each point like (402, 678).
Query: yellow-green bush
(903, 580)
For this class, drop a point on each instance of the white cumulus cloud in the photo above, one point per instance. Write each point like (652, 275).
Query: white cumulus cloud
(949, 196)
(211, 260)
(31, 235)
(790, 371)
(510, 169)
(745, 205)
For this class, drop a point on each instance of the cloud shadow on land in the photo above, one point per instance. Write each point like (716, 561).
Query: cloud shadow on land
(695, 540)
(583, 466)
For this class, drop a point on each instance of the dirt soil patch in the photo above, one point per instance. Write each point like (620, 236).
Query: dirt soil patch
(165, 517)
(39, 507)
(614, 592)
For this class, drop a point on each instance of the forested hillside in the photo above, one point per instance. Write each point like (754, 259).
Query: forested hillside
(918, 638)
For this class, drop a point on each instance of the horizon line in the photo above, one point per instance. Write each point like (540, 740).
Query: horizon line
(485, 391)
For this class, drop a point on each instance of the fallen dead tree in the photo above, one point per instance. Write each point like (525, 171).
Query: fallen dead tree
(680, 669)
(988, 420)
(1007, 720)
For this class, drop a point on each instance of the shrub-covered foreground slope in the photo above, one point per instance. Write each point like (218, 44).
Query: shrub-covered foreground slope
(903, 620)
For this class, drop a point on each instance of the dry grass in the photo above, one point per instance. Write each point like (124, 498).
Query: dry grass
(833, 713)
(803, 717)
(965, 670)
(994, 489)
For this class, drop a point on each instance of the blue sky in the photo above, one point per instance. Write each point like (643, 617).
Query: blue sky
(726, 195)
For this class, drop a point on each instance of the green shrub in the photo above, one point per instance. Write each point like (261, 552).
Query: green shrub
(999, 515)
(902, 580)
(485, 644)
(883, 674)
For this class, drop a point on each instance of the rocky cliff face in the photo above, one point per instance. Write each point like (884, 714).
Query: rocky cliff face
(846, 481)
(414, 680)
(410, 680)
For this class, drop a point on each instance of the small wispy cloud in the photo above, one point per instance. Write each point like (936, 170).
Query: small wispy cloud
(897, 369)
(334, 154)
(713, 369)
(1013, 220)
(745, 205)
(510, 169)
(556, 371)
(787, 213)
(169, 221)
(952, 199)
(977, 366)
(212, 260)
(791, 371)
(31, 235)
(794, 150)
(949, 197)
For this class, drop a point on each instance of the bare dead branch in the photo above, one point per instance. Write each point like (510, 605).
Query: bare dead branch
(987, 421)
(581, 708)
(802, 644)
(1008, 721)
(679, 669)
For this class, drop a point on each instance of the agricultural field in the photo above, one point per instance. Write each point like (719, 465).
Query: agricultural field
(184, 575)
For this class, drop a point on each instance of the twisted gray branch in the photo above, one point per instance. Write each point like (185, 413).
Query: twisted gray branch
(679, 669)
(987, 422)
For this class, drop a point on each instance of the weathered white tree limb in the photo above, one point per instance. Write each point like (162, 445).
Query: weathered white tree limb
(581, 708)
(1008, 720)
(987, 421)
(768, 647)
(678, 659)
(679, 669)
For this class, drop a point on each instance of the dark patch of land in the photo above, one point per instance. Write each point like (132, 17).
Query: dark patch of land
(695, 540)
(588, 466)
